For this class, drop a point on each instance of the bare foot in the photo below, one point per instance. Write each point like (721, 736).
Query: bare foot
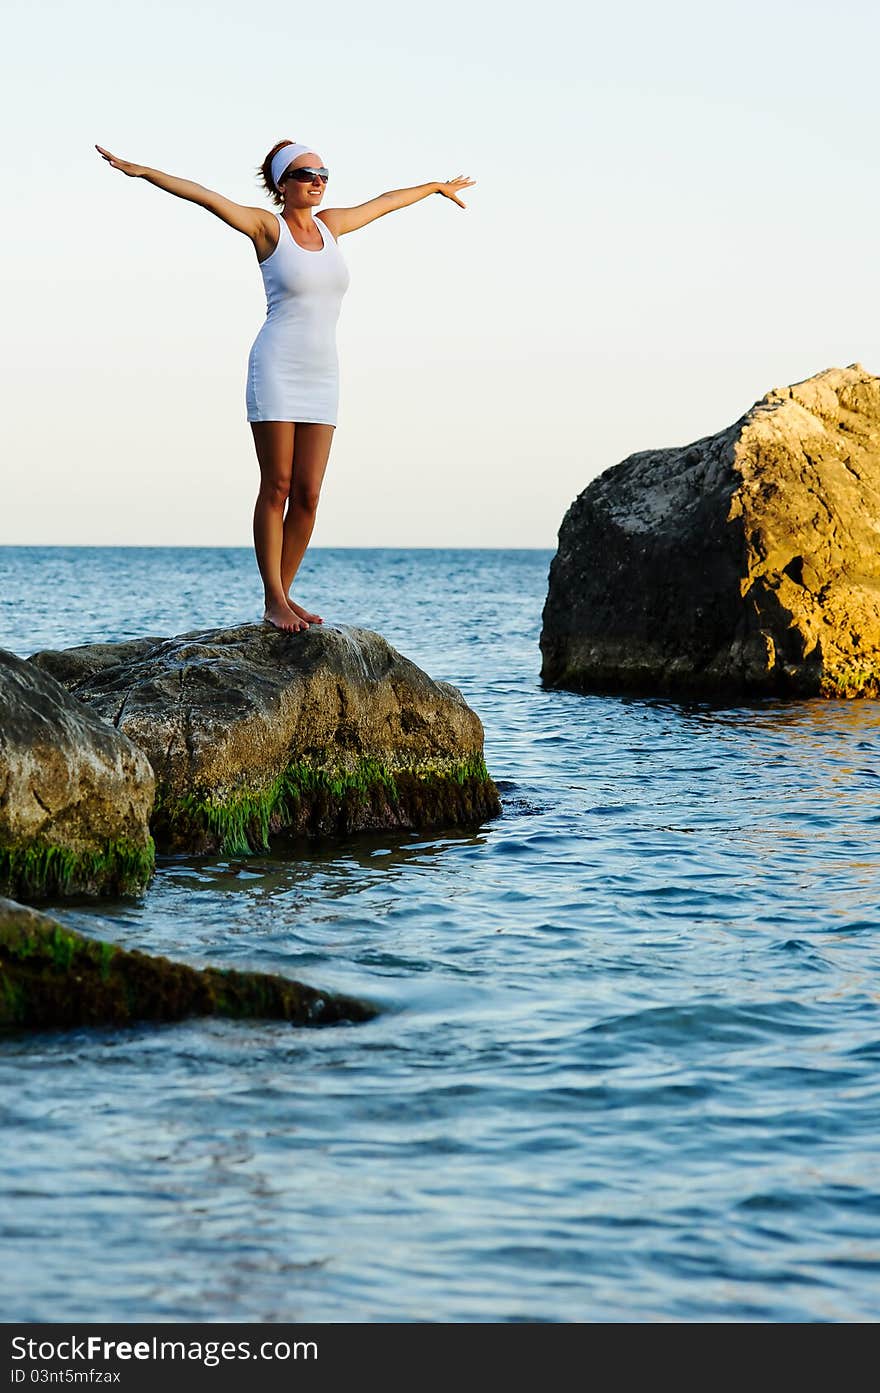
(280, 616)
(304, 613)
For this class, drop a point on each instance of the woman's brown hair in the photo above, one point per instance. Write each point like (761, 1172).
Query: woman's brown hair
(264, 173)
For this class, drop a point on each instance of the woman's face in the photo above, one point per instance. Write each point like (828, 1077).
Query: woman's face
(300, 194)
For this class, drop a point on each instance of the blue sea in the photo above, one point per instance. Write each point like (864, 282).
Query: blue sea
(627, 1065)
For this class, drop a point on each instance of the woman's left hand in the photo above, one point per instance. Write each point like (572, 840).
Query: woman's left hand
(450, 189)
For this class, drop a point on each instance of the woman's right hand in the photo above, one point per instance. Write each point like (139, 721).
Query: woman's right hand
(134, 171)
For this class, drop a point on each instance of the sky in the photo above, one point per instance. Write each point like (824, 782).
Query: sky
(676, 209)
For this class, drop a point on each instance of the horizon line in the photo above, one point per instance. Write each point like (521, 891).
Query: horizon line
(241, 546)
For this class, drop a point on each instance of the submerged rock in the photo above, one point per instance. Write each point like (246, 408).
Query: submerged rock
(75, 794)
(747, 562)
(53, 976)
(251, 731)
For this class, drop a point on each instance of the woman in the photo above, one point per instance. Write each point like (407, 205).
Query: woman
(292, 386)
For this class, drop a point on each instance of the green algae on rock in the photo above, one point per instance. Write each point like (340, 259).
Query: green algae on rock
(75, 794)
(51, 976)
(744, 563)
(251, 732)
(309, 799)
(42, 870)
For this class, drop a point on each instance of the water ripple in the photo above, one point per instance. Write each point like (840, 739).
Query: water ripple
(627, 1064)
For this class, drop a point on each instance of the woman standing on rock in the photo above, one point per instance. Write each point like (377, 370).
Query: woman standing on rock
(293, 380)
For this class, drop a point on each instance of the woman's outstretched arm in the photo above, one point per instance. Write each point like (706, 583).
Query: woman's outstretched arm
(250, 221)
(348, 219)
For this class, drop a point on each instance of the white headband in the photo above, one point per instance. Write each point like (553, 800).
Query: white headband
(286, 155)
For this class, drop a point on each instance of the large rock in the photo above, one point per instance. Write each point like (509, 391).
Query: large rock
(748, 561)
(53, 976)
(75, 794)
(251, 731)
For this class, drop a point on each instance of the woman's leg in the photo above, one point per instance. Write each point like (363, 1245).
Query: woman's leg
(273, 441)
(311, 452)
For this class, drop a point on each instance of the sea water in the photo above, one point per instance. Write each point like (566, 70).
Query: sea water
(626, 1066)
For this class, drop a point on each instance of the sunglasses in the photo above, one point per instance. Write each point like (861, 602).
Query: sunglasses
(308, 176)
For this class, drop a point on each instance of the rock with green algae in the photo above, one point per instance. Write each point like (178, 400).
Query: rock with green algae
(252, 731)
(51, 976)
(746, 562)
(75, 793)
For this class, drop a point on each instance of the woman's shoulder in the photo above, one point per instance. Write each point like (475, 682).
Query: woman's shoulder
(265, 239)
(331, 220)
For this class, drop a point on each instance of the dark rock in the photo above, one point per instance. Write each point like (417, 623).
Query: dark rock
(53, 976)
(75, 794)
(70, 665)
(747, 562)
(252, 731)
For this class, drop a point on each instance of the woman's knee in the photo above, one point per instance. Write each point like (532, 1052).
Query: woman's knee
(305, 497)
(274, 493)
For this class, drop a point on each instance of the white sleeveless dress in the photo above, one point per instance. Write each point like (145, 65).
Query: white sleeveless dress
(293, 369)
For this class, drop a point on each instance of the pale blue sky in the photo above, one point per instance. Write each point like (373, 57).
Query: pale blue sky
(676, 209)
